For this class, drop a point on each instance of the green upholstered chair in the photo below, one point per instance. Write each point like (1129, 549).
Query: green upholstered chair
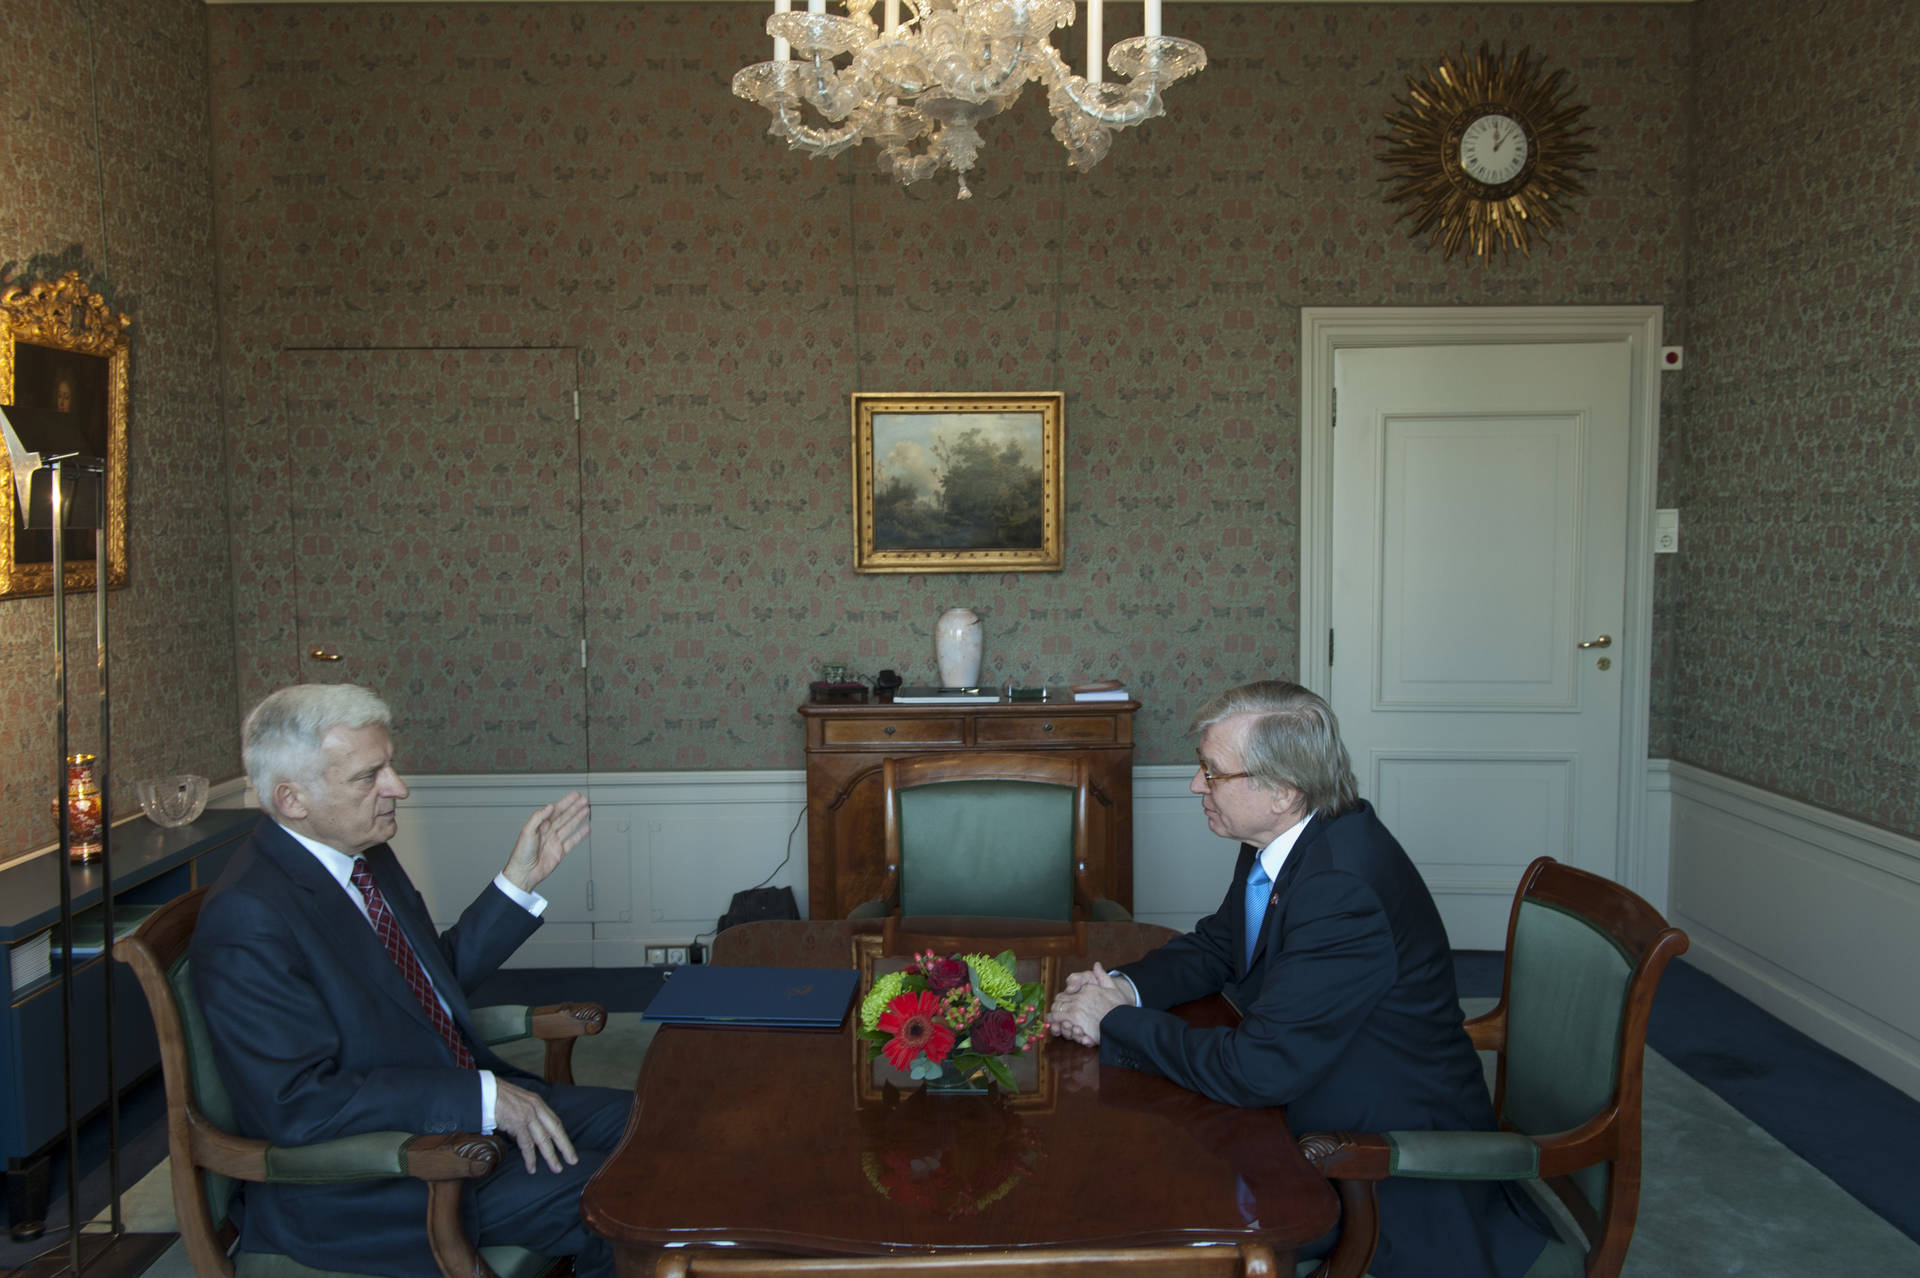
(988, 834)
(206, 1157)
(1584, 956)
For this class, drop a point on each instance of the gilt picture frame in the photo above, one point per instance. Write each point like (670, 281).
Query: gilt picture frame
(959, 483)
(62, 349)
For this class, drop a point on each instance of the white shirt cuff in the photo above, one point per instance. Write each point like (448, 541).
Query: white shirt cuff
(488, 1087)
(532, 902)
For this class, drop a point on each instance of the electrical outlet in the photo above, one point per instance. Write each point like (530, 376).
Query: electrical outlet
(696, 953)
(656, 956)
(676, 955)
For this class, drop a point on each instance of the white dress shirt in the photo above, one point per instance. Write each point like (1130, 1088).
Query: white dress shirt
(340, 866)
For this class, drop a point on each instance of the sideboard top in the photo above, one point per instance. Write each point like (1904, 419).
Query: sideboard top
(141, 850)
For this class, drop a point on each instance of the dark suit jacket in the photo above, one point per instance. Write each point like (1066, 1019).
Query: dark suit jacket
(1351, 1019)
(316, 1035)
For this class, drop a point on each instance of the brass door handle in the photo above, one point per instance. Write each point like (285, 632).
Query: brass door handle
(1604, 641)
(317, 653)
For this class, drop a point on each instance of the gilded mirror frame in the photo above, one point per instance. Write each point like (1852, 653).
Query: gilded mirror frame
(73, 324)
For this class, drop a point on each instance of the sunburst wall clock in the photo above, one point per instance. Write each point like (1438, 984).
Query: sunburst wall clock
(1486, 152)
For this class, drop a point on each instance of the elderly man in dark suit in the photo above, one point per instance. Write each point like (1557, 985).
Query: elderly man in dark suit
(333, 1008)
(1330, 945)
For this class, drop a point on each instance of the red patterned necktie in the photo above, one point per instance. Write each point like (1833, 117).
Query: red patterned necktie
(409, 963)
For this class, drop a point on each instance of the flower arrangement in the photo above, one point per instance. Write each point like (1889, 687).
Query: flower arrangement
(964, 1013)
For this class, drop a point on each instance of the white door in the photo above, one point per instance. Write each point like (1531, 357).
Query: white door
(1479, 565)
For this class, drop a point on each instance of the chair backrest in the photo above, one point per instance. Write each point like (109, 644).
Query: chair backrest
(1584, 956)
(986, 834)
(196, 1099)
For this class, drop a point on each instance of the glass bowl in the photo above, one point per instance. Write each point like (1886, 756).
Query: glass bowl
(172, 800)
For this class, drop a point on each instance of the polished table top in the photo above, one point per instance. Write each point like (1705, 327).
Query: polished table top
(779, 1140)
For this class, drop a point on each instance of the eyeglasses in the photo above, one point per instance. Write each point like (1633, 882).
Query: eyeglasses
(1215, 778)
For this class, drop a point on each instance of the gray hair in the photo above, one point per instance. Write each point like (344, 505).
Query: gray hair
(280, 738)
(1293, 740)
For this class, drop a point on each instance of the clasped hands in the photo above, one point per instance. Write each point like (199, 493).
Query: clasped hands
(1088, 997)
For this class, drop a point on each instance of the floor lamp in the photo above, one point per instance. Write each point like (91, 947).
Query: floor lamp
(59, 484)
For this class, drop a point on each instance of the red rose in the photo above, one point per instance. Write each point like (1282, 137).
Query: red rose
(948, 974)
(994, 1033)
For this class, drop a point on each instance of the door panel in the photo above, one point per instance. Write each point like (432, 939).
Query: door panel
(1501, 494)
(435, 512)
(1479, 535)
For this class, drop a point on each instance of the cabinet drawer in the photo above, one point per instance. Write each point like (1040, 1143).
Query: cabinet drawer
(893, 732)
(1040, 730)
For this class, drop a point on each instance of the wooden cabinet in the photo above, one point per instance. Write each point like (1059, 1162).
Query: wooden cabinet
(845, 744)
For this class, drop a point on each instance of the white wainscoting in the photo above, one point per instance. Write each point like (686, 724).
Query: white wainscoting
(1180, 868)
(1812, 916)
(669, 850)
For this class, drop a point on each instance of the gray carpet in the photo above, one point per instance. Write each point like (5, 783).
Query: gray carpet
(1719, 1195)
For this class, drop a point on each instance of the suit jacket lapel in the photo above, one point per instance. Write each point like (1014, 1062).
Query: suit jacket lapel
(346, 930)
(418, 929)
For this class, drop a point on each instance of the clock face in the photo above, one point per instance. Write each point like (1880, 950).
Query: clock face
(1493, 149)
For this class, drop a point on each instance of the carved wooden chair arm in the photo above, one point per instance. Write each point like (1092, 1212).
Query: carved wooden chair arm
(555, 1024)
(556, 1021)
(445, 1160)
(450, 1156)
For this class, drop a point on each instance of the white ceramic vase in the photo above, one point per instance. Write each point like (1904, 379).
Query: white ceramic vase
(956, 648)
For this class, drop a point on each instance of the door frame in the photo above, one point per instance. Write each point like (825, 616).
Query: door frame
(1327, 329)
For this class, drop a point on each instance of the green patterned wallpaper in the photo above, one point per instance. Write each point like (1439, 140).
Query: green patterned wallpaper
(580, 177)
(1796, 637)
(576, 183)
(103, 170)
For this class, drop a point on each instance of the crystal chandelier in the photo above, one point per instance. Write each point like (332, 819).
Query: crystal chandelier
(918, 87)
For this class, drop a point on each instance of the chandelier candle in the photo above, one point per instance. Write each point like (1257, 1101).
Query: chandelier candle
(918, 86)
(1096, 42)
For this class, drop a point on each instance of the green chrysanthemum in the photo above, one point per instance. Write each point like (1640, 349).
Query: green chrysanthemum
(994, 980)
(883, 992)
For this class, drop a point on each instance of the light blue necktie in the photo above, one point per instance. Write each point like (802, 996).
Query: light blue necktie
(1257, 885)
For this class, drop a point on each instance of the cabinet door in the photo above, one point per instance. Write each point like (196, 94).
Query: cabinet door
(437, 547)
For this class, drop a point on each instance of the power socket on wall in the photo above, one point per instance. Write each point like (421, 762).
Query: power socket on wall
(675, 955)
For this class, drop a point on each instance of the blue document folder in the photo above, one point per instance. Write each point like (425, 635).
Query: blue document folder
(817, 997)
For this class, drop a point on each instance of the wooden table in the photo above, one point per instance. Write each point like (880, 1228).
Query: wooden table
(758, 1139)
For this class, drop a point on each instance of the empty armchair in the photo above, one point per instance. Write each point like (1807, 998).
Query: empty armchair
(988, 834)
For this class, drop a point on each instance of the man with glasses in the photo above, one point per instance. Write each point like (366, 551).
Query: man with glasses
(1330, 945)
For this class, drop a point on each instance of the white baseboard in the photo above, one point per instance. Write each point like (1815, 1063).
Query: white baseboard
(1810, 915)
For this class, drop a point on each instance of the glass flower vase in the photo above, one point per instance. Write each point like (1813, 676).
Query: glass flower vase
(952, 1081)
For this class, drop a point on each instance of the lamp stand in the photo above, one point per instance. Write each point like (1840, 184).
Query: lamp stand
(64, 868)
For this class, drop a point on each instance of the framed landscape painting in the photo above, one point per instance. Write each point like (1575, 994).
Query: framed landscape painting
(958, 483)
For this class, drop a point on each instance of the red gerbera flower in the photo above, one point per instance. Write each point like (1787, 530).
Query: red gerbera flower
(914, 1021)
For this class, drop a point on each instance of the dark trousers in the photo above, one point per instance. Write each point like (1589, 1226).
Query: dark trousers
(541, 1211)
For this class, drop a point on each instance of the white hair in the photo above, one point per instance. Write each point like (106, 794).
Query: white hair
(281, 737)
